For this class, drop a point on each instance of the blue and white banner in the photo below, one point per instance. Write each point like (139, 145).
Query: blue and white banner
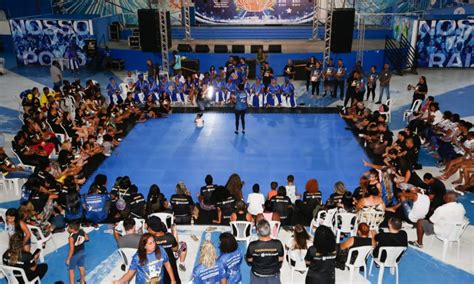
(445, 43)
(38, 41)
(253, 12)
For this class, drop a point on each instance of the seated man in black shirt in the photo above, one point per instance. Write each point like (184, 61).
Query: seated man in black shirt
(137, 202)
(265, 256)
(207, 204)
(182, 205)
(394, 238)
(436, 191)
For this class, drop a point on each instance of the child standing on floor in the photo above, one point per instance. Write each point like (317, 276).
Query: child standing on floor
(77, 254)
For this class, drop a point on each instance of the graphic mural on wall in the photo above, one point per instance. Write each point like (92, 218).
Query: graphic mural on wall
(126, 8)
(39, 41)
(445, 43)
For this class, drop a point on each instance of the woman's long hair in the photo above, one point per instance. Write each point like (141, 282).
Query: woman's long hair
(15, 248)
(208, 255)
(234, 185)
(324, 241)
(142, 258)
(154, 200)
(13, 212)
(301, 237)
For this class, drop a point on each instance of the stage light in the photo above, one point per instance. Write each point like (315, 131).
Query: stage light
(210, 92)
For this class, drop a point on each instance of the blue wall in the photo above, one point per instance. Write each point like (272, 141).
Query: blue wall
(25, 8)
(135, 59)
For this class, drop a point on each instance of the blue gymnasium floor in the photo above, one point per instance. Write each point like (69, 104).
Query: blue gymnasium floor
(166, 151)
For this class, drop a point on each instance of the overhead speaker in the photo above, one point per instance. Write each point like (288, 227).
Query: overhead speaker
(342, 30)
(255, 47)
(238, 48)
(182, 47)
(274, 48)
(201, 48)
(149, 29)
(220, 48)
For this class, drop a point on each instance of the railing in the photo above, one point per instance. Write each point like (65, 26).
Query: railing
(401, 54)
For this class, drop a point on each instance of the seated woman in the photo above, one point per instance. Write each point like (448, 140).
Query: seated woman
(363, 238)
(14, 225)
(320, 257)
(17, 256)
(231, 257)
(298, 244)
(71, 201)
(241, 213)
(96, 205)
(148, 264)
(209, 269)
(369, 205)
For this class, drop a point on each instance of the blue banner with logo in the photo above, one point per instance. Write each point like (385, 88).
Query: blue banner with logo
(445, 43)
(253, 12)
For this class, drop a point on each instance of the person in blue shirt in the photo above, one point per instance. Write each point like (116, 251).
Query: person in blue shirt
(230, 89)
(140, 83)
(96, 205)
(231, 257)
(244, 68)
(148, 263)
(241, 99)
(372, 78)
(219, 90)
(112, 87)
(140, 97)
(340, 79)
(209, 270)
(273, 91)
(179, 90)
(329, 78)
(256, 91)
(288, 94)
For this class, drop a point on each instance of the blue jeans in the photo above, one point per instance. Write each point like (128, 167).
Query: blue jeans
(407, 207)
(382, 88)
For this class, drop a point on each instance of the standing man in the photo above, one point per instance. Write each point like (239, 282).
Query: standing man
(384, 79)
(267, 74)
(240, 108)
(340, 78)
(56, 75)
(176, 62)
(265, 256)
(289, 70)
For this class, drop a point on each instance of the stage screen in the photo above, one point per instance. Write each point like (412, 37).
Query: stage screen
(253, 12)
(445, 43)
(39, 41)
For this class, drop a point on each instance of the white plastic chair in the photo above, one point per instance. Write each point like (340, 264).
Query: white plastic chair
(275, 228)
(40, 240)
(3, 215)
(11, 184)
(345, 223)
(362, 253)
(389, 112)
(392, 254)
(374, 219)
(139, 227)
(166, 218)
(315, 223)
(299, 264)
(126, 254)
(23, 165)
(242, 230)
(415, 107)
(456, 231)
(12, 272)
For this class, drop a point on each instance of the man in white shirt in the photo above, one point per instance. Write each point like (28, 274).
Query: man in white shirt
(415, 205)
(442, 221)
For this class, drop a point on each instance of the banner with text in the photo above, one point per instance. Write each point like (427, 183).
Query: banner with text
(445, 43)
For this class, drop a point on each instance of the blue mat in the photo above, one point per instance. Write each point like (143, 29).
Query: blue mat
(166, 151)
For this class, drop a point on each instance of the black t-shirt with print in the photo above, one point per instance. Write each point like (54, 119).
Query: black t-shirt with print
(227, 206)
(206, 193)
(322, 269)
(265, 256)
(280, 205)
(312, 199)
(383, 239)
(181, 204)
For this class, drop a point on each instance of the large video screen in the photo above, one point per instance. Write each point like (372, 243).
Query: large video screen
(39, 41)
(253, 12)
(445, 43)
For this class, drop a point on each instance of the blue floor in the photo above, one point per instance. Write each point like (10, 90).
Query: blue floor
(169, 150)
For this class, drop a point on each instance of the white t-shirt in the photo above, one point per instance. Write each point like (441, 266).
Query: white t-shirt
(291, 192)
(446, 215)
(420, 208)
(437, 117)
(255, 201)
(199, 122)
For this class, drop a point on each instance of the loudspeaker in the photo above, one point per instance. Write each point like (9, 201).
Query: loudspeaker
(184, 48)
(134, 42)
(189, 67)
(201, 48)
(274, 48)
(255, 47)
(149, 28)
(238, 48)
(300, 71)
(90, 47)
(342, 30)
(220, 48)
(114, 31)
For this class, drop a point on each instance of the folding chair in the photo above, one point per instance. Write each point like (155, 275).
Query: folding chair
(391, 261)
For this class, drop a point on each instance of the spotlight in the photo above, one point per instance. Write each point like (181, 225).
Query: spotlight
(210, 92)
